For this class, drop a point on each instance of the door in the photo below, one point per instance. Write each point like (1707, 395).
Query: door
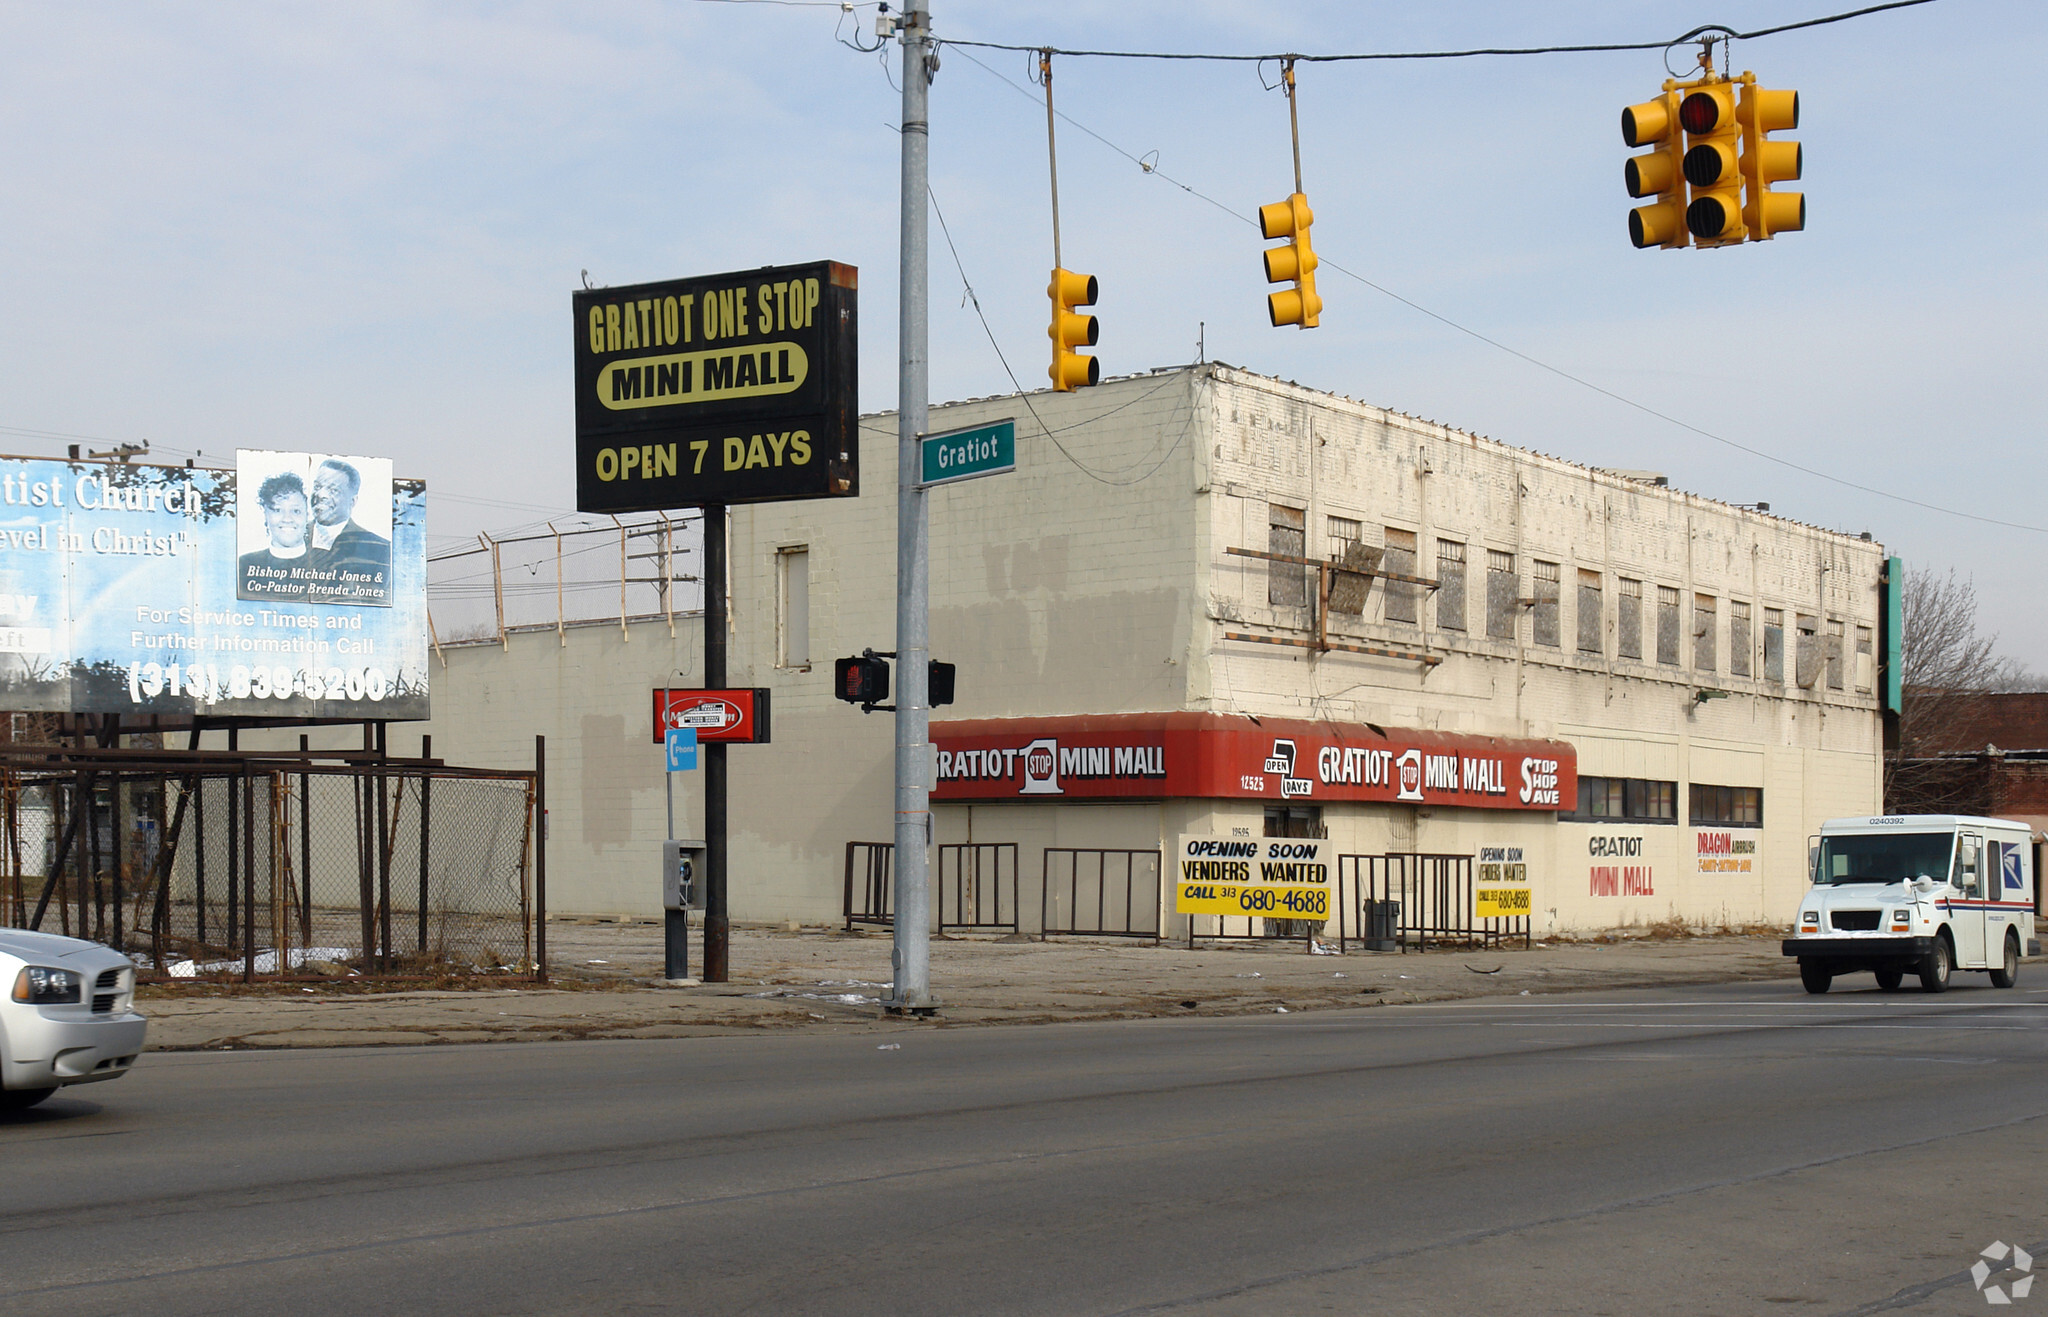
(1967, 912)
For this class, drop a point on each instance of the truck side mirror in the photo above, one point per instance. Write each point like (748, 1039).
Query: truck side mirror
(1813, 864)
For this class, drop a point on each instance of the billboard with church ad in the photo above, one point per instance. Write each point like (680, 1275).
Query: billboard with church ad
(291, 587)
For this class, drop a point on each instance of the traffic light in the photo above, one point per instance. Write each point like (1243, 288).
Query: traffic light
(1070, 330)
(940, 684)
(860, 680)
(1765, 162)
(1660, 174)
(1712, 165)
(1295, 262)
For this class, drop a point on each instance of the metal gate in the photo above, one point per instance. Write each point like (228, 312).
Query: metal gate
(1433, 895)
(868, 885)
(1089, 892)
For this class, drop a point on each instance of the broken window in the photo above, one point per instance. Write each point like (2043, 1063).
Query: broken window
(1866, 660)
(1806, 653)
(1834, 655)
(1590, 614)
(1400, 595)
(1628, 618)
(1774, 645)
(1667, 625)
(1450, 585)
(1545, 612)
(1703, 619)
(1738, 638)
(1286, 532)
(1502, 594)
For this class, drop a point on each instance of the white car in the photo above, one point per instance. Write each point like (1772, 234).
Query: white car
(67, 1015)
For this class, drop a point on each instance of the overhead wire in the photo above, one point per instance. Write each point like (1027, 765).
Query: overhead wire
(1602, 48)
(1153, 170)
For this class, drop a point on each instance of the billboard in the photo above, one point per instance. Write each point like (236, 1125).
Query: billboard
(291, 587)
(722, 388)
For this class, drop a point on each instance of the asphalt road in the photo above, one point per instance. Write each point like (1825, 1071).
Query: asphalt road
(1699, 1150)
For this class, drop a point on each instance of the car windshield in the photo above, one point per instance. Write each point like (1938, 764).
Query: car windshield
(1891, 857)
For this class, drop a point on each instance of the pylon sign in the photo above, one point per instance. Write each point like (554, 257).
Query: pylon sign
(725, 388)
(1711, 164)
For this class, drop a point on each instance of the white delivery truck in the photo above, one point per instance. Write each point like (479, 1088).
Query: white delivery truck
(1920, 894)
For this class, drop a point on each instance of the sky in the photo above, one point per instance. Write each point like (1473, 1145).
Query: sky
(356, 228)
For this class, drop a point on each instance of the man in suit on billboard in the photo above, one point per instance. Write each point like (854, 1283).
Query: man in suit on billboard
(361, 557)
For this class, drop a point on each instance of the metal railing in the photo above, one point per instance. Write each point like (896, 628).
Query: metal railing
(1433, 895)
(1108, 893)
(978, 886)
(868, 884)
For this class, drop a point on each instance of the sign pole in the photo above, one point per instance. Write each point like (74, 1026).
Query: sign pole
(910, 992)
(717, 924)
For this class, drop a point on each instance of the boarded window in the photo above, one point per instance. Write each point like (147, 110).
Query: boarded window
(1703, 629)
(1545, 611)
(1450, 585)
(1667, 625)
(1834, 655)
(795, 620)
(1866, 660)
(1591, 616)
(1739, 641)
(1806, 654)
(1286, 532)
(1774, 645)
(1357, 564)
(1501, 594)
(1727, 807)
(1400, 595)
(1628, 618)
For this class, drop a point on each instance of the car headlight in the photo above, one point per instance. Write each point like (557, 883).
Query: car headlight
(1809, 917)
(48, 987)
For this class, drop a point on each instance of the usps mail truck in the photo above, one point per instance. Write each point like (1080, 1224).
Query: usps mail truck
(1920, 894)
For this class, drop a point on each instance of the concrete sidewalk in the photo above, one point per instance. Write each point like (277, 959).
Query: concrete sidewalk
(823, 980)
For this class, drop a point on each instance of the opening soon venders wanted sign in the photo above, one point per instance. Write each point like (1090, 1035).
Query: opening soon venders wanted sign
(1214, 756)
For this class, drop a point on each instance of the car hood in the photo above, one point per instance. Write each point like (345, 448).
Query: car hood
(1830, 893)
(51, 946)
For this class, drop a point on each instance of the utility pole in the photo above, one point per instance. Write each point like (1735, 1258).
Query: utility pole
(717, 923)
(910, 991)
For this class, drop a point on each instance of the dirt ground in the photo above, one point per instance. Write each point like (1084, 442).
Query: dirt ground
(606, 984)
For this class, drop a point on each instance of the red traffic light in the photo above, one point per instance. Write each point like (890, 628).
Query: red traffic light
(1700, 112)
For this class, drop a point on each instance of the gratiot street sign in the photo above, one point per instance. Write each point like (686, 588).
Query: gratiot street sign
(985, 450)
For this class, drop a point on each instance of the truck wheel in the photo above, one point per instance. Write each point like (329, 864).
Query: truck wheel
(1815, 976)
(1935, 967)
(2008, 974)
(1888, 980)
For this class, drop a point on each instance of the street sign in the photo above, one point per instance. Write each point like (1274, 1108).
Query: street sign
(680, 743)
(724, 388)
(985, 450)
(731, 716)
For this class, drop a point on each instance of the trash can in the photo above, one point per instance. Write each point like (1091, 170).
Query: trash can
(1382, 925)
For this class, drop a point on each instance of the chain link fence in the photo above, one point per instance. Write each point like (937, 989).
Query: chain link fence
(278, 866)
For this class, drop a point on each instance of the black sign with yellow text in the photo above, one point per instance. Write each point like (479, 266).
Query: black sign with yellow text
(727, 388)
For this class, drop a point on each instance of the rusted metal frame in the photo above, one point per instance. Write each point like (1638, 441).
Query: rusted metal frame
(1374, 650)
(160, 916)
(249, 876)
(366, 895)
(89, 895)
(873, 908)
(50, 882)
(16, 904)
(1156, 933)
(426, 819)
(537, 823)
(305, 852)
(525, 906)
(1429, 582)
(282, 906)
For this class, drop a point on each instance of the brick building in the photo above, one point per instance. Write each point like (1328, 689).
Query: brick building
(1646, 697)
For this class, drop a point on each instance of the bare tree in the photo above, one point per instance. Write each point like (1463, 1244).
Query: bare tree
(1945, 664)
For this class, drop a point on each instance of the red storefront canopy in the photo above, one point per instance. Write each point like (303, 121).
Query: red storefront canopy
(1215, 756)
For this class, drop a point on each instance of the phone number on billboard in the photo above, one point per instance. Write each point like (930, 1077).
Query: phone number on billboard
(146, 681)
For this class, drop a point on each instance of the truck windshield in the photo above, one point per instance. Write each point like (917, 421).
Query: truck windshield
(1891, 857)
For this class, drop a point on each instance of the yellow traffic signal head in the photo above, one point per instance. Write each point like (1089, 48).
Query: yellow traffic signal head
(1293, 263)
(1659, 174)
(1765, 162)
(1070, 330)
(1712, 165)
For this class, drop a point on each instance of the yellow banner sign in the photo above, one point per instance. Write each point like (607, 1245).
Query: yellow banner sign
(1500, 902)
(1266, 877)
